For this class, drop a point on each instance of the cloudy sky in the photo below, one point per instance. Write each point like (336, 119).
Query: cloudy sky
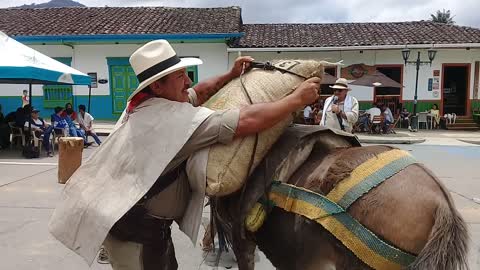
(307, 11)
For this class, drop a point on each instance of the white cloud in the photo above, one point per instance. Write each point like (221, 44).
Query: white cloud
(308, 11)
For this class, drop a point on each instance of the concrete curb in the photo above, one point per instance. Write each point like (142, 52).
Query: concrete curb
(379, 140)
(103, 133)
(477, 142)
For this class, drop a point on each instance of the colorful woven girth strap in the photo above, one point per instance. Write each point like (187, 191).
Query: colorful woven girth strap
(329, 211)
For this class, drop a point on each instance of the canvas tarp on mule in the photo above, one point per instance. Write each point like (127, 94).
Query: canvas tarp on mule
(288, 154)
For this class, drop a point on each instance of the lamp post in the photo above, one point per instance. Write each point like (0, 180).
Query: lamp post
(418, 63)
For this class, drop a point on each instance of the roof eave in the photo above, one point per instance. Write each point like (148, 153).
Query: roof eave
(353, 48)
(123, 38)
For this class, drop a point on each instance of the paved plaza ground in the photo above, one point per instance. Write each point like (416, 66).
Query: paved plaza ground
(29, 192)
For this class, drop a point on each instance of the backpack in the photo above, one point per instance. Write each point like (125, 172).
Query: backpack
(31, 151)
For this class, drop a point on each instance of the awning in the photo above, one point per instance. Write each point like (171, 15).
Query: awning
(328, 79)
(377, 79)
(20, 64)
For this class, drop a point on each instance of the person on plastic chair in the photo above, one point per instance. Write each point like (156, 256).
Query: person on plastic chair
(435, 112)
(40, 130)
(60, 125)
(69, 112)
(85, 120)
(367, 117)
(307, 115)
(387, 113)
(405, 116)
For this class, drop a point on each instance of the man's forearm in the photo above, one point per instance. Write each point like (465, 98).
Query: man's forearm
(209, 87)
(258, 117)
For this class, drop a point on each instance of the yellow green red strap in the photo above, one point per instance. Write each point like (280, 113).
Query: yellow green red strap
(329, 211)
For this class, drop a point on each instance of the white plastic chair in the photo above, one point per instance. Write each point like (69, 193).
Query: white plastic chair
(38, 142)
(56, 135)
(15, 132)
(422, 118)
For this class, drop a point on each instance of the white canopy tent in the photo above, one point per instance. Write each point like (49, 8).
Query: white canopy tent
(20, 64)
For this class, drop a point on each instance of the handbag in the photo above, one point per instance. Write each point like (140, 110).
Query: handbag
(30, 151)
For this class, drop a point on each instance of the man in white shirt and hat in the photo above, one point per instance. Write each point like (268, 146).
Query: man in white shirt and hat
(128, 193)
(340, 110)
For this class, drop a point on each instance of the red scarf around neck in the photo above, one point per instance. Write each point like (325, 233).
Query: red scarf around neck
(138, 99)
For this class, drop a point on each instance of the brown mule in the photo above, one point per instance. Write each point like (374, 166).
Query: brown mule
(412, 210)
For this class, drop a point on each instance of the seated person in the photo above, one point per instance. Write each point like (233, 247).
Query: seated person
(387, 113)
(67, 124)
(69, 112)
(22, 115)
(405, 117)
(307, 115)
(367, 117)
(317, 112)
(85, 120)
(59, 123)
(435, 112)
(40, 130)
(4, 131)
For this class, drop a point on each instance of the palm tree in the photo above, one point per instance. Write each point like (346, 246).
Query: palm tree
(443, 17)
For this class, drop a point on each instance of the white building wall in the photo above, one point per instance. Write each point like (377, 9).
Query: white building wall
(93, 58)
(384, 57)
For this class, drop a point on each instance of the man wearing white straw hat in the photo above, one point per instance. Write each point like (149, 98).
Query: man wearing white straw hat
(132, 188)
(341, 109)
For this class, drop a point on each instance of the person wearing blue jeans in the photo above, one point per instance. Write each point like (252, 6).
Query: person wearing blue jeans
(86, 123)
(40, 129)
(76, 132)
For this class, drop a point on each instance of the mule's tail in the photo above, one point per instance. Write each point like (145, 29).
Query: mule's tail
(447, 246)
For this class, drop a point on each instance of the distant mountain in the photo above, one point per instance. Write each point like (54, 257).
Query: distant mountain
(54, 3)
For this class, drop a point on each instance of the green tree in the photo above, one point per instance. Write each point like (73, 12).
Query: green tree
(442, 17)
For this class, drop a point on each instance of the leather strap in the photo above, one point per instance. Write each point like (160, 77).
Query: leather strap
(163, 182)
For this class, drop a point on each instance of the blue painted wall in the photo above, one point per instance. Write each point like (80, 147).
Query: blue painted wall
(100, 106)
(10, 104)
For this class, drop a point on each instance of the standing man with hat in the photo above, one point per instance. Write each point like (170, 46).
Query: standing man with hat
(341, 109)
(135, 185)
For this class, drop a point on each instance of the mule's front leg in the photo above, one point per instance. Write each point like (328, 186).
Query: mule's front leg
(244, 250)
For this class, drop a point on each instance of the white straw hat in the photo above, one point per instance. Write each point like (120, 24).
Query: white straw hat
(341, 83)
(155, 60)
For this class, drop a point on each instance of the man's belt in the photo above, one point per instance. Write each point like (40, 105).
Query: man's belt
(163, 182)
(136, 225)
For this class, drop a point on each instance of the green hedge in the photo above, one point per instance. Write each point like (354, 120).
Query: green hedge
(476, 118)
(364, 105)
(476, 106)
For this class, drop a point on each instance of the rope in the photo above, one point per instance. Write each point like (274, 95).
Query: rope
(218, 223)
(216, 220)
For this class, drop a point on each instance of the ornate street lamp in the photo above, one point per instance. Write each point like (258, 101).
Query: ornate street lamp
(406, 54)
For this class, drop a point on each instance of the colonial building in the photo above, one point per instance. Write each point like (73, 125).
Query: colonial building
(451, 81)
(98, 41)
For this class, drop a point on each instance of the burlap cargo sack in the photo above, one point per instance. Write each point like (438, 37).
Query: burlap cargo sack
(69, 157)
(228, 165)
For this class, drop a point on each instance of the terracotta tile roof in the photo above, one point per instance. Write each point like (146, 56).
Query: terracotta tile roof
(119, 20)
(353, 34)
